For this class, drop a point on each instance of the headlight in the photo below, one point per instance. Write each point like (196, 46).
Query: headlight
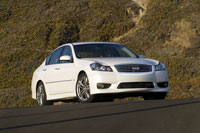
(160, 67)
(99, 67)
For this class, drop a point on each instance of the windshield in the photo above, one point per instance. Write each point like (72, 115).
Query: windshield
(102, 50)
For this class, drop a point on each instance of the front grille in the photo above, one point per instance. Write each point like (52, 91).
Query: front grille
(135, 85)
(134, 68)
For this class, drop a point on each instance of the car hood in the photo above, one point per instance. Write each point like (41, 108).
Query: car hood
(118, 61)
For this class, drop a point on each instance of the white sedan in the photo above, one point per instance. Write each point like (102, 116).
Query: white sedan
(86, 70)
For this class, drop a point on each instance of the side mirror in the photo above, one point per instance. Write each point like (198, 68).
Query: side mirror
(65, 58)
(141, 56)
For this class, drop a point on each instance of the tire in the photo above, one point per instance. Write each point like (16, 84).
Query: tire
(154, 96)
(83, 89)
(41, 95)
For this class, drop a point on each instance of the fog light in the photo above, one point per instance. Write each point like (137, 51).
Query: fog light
(163, 84)
(103, 85)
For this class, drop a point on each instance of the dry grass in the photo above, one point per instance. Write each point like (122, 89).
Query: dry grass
(169, 31)
(182, 34)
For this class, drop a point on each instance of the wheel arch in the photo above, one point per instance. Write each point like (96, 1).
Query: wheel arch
(81, 72)
(39, 81)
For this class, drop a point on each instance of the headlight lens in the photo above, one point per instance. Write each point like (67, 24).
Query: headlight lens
(160, 67)
(99, 67)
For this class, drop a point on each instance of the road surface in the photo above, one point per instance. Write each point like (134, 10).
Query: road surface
(154, 116)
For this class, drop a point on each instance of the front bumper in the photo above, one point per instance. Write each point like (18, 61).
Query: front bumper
(115, 78)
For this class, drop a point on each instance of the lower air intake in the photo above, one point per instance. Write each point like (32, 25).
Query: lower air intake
(135, 85)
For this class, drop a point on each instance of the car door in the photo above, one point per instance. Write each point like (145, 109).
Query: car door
(50, 73)
(67, 72)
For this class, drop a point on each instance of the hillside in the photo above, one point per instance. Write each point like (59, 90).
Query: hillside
(166, 30)
(170, 32)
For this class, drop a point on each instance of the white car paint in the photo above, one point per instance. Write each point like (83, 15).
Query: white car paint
(61, 80)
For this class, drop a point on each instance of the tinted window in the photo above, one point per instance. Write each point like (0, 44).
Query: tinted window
(55, 56)
(47, 60)
(102, 50)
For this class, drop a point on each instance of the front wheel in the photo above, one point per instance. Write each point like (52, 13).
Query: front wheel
(83, 89)
(41, 96)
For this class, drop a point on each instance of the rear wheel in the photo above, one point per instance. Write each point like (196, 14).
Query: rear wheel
(41, 96)
(154, 96)
(83, 89)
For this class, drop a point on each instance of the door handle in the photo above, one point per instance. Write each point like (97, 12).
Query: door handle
(44, 69)
(57, 68)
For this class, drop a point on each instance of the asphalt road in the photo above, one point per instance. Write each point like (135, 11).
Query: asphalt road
(158, 116)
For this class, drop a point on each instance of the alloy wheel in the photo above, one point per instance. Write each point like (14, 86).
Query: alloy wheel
(83, 88)
(40, 95)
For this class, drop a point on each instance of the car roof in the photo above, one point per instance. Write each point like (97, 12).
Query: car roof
(83, 43)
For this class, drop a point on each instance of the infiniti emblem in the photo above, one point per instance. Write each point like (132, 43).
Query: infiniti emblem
(135, 68)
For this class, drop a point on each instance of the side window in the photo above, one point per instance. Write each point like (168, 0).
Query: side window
(47, 60)
(55, 56)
